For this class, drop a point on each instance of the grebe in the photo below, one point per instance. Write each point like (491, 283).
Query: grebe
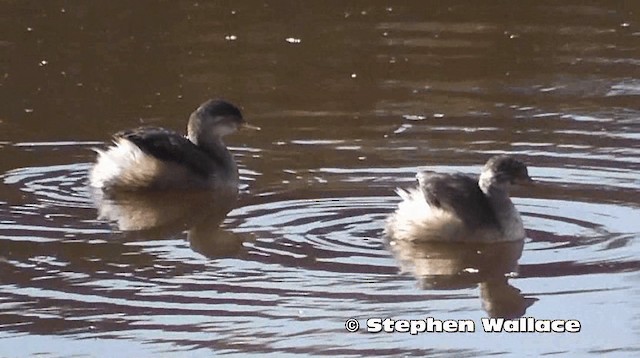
(458, 207)
(157, 158)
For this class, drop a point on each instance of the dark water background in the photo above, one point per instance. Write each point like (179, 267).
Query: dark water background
(353, 98)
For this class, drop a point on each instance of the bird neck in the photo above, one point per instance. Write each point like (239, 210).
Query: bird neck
(215, 148)
(497, 194)
(205, 138)
(490, 186)
(211, 144)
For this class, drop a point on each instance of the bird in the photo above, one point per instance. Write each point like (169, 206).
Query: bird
(152, 158)
(461, 208)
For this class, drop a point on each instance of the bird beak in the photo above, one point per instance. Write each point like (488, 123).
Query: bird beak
(246, 125)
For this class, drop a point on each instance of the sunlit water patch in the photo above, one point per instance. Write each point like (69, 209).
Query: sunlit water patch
(299, 268)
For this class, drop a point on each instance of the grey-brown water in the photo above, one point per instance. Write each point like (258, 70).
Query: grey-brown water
(353, 98)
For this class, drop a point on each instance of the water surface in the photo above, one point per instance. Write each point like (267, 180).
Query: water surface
(353, 98)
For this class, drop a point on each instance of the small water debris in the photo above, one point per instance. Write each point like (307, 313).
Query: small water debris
(43, 63)
(402, 128)
(414, 117)
(546, 115)
(293, 40)
(231, 37)
(353, 75)
(28, 110)
(511, 35)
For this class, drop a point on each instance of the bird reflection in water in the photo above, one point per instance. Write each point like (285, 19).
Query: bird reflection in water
(456, 265)
(154, 215)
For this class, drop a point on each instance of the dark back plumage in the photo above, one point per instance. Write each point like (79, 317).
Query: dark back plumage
(459, 194)
(170, 146)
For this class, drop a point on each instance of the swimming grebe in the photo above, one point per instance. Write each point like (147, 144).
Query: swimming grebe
(157, 158)
(457, 207)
